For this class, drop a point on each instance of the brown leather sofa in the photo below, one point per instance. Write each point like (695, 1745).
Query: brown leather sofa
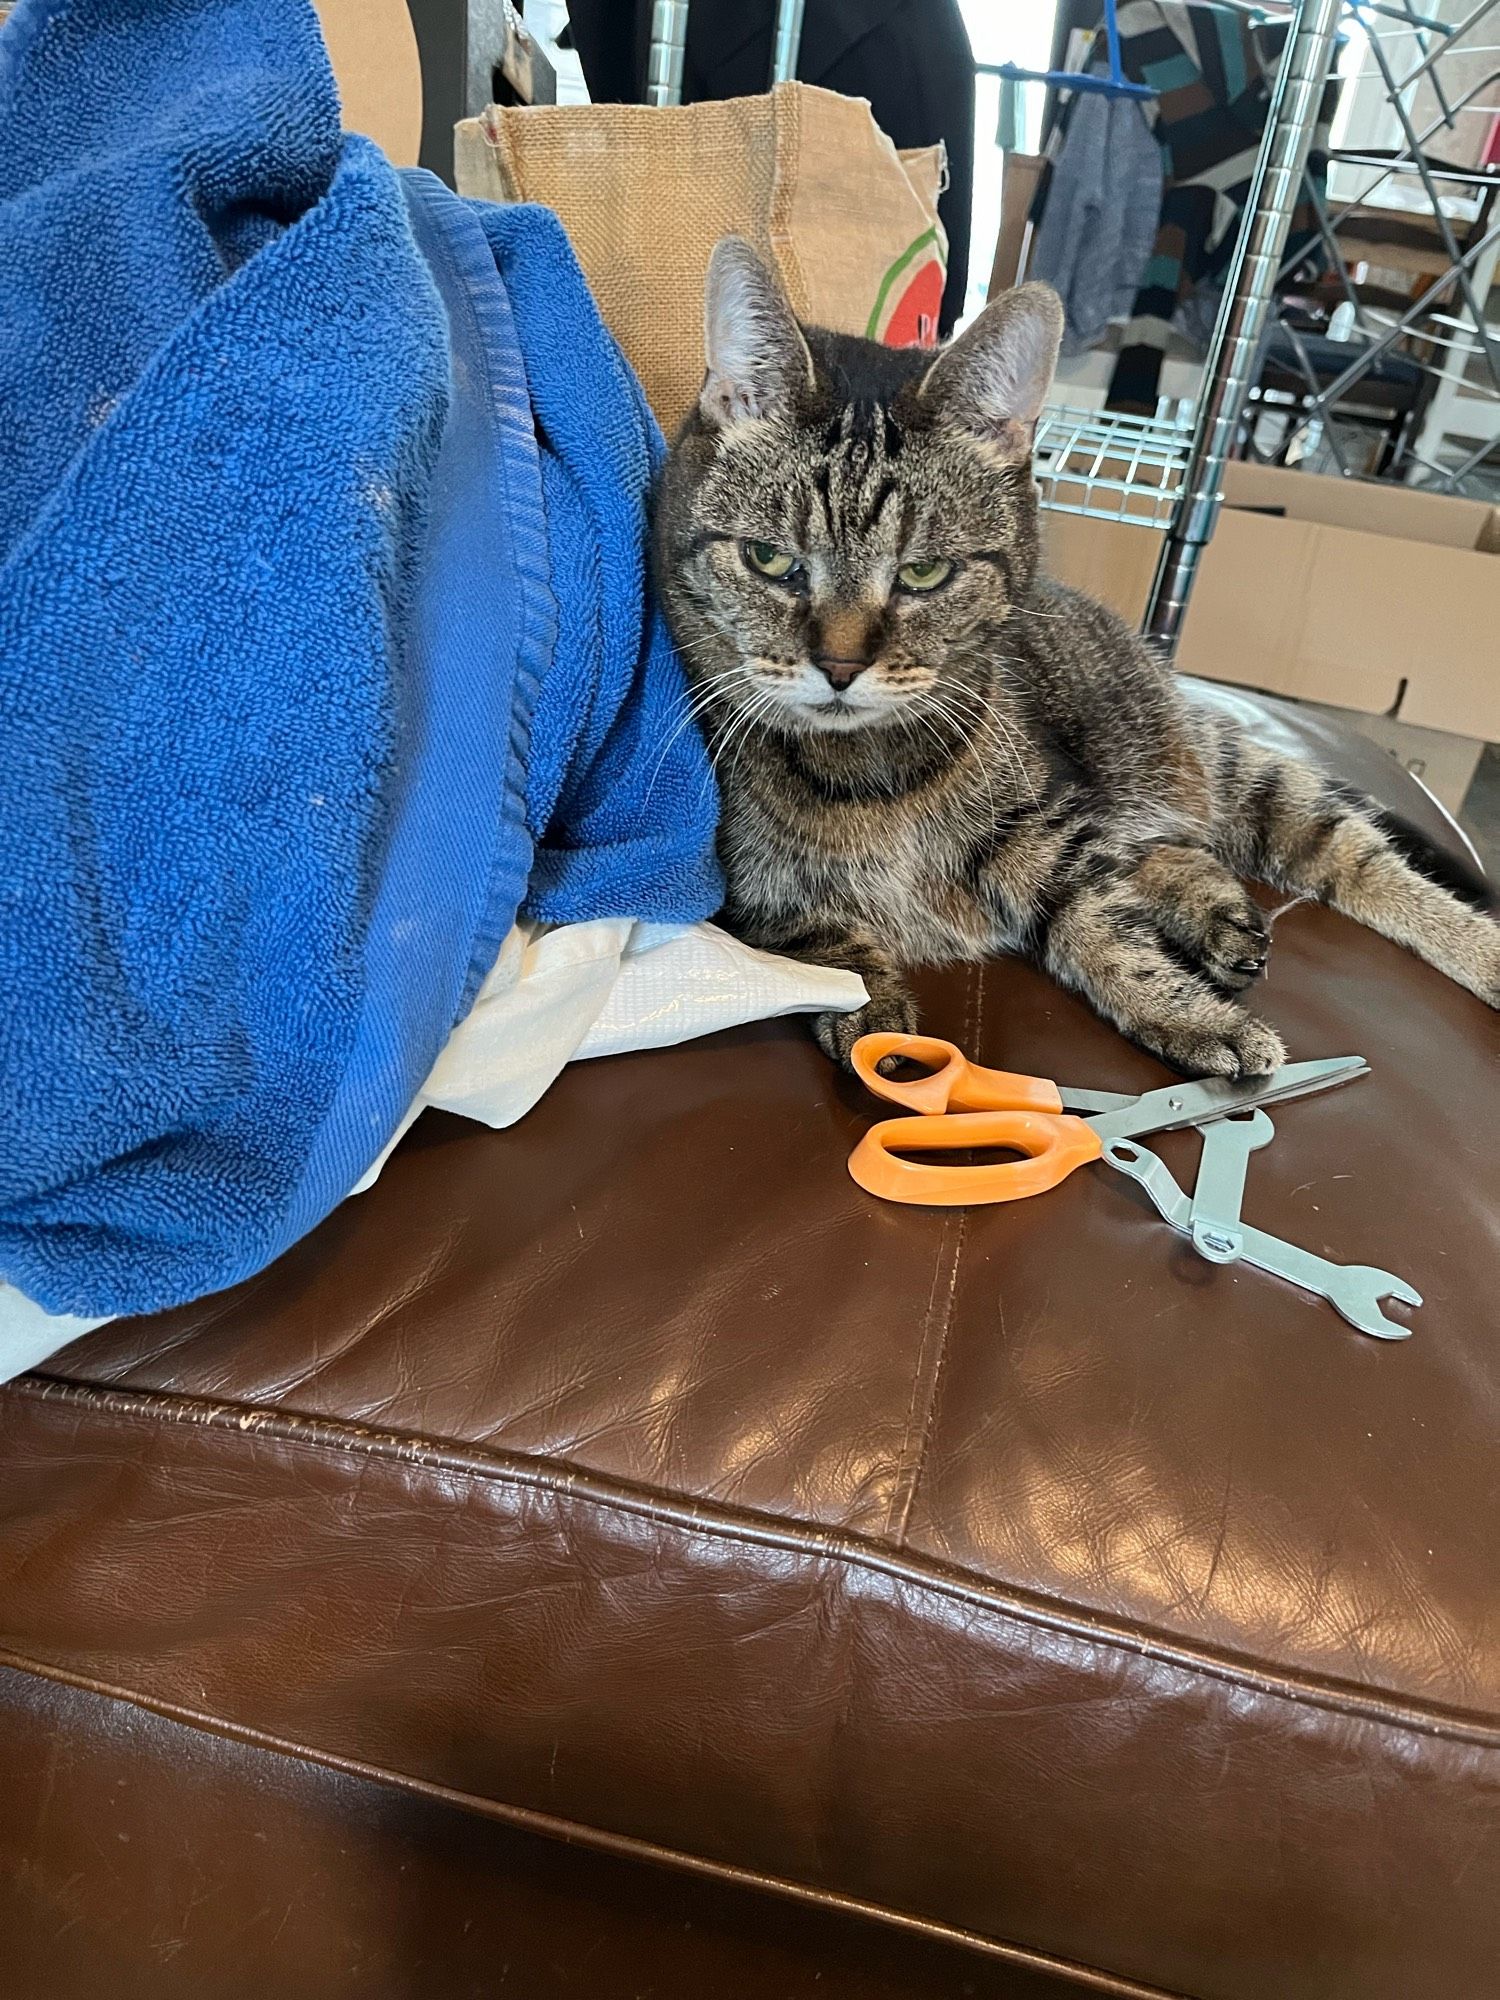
(617, 1558)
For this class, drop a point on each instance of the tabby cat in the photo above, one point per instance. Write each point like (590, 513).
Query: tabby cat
(928, 751)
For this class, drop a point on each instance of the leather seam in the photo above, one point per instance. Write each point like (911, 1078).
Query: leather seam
(975, 1038)
(627, 1846)
(905, 1497)
(334, 1437)
(914, 1486)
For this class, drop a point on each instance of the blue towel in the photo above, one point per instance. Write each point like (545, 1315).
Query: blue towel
(597, 762)
(325, 641)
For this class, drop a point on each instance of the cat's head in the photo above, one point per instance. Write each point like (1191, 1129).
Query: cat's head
(843, 527)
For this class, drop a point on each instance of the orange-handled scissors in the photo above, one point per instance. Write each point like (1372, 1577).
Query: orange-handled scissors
(961, 1105)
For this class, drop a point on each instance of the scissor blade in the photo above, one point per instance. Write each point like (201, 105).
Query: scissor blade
(1212, 1097)
(1097, 1100)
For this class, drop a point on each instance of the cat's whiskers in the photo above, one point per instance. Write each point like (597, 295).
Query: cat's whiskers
(915, 714)
(1008, 736)
(1012, 741)
(704, 693)
(740, 718)
(964, 730)
(1028, 611)
(700, 683)
(767, 699)
(713, 647)
(702, 696)
(940, 814)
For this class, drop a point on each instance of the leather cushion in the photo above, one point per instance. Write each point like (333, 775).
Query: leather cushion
(1010, 1571)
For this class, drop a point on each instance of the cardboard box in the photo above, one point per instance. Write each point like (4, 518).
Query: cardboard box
(1368, 597)
(1365, 597)
(1445, 764)
(1111, 560)
(373, 48)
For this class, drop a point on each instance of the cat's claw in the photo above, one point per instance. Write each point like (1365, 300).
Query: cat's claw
(1234, 942)
(1238, 953)
(893, 1014)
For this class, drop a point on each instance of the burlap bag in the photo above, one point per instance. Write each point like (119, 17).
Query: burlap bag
(803, 174)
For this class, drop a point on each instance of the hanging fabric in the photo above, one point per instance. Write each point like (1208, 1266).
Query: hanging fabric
(1212, 68)
(1096, 213)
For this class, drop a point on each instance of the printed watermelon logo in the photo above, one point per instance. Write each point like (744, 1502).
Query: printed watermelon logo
(906, 306)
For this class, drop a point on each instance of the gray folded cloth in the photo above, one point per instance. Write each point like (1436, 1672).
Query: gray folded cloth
(1098, 223)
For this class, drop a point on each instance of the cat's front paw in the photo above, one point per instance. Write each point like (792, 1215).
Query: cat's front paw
(1236, 942)
(1207, 913)
(1235, 1048)
(891, 1014)
(1222, 928)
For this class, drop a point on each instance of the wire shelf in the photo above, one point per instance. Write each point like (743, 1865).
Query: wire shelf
(1111, 466)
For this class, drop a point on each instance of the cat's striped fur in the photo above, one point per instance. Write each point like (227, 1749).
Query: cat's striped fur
(915, 775)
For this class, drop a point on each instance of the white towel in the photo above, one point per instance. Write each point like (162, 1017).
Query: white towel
(554, 997)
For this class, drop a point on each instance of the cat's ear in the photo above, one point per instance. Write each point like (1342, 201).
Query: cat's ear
(757, 358)
(993, 380)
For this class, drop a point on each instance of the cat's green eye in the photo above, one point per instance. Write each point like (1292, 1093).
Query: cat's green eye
(924, 575)
(768, 560)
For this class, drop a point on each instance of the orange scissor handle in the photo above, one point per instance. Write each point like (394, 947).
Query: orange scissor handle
(1052, 1147)
(955, 1084)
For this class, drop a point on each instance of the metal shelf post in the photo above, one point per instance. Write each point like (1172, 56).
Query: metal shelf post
(1229, 372)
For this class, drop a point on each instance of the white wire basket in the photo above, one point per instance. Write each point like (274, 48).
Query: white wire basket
(1111, 466)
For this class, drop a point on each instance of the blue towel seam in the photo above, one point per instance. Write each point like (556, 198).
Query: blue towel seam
(495, 341)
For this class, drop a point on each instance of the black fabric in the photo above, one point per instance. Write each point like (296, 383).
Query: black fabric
(611, 38)
(910, 58)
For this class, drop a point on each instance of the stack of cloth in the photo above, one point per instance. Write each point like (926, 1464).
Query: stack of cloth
(326, 647)
(1141, 207)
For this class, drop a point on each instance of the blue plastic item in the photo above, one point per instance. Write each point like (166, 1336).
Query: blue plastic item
(1114, 83)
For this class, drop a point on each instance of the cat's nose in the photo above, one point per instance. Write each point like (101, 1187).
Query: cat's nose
(840, 674)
